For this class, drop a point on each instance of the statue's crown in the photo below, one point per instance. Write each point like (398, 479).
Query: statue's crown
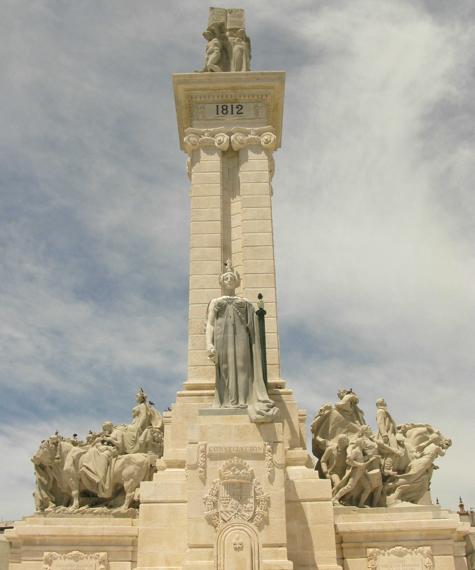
(228, 268)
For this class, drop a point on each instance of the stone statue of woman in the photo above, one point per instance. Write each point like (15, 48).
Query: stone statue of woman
(144, 416)
(240, 50)
(232, 342)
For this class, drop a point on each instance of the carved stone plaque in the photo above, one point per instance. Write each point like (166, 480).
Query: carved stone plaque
(75, 561)
(215, 451)
(400, 558)
(234, 111)
(236, 496)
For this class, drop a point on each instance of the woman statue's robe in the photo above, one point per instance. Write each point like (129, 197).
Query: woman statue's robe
(239, 375)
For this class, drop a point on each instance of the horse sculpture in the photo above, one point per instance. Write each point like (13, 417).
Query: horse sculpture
(62, 475)
(106, 469)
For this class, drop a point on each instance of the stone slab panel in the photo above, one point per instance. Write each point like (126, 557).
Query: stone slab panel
(205, 240)
(256, 214)
(205, 214)
(258, 164)
(255, 189)
(201, 373)
(205, 253)
(202, 202)
(206, 267)
(206, 178)
(203, 281)
(256, 226)
(206, 166)
(212, 227)
(247, 177)
(198, 358)
(205, 189)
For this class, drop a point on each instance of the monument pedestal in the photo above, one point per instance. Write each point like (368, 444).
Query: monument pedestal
(243, 499)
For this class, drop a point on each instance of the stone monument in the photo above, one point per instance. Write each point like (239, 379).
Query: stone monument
(224, 481)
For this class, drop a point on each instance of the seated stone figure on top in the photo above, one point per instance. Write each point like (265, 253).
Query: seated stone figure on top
(232, 341)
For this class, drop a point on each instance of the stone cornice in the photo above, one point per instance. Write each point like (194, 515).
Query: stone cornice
(264, 88)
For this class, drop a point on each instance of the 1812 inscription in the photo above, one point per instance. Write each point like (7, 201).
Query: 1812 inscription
(224, 110)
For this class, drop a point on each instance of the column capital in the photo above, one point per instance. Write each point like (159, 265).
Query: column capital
(263, 136)
(222, 137)
(199, 138)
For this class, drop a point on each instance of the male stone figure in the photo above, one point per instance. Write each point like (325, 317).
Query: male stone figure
(386, 424)
(394, 464)
(215, 59)
(232, 342)
(333, 461)
(355, 475)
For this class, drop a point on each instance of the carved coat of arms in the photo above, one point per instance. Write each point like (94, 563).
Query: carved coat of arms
(236, 495)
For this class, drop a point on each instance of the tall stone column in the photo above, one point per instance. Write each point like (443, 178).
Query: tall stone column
(229, 125)
(231, 218)
(205, 150)
(256, 167)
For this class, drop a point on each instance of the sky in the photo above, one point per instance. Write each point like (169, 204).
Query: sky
(374, 214)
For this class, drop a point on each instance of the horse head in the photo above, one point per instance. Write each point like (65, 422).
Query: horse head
(47, 452)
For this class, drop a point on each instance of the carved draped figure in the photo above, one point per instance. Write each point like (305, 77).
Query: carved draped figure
(239, 377)
(130, 435)
(98, 464)
(386, 426)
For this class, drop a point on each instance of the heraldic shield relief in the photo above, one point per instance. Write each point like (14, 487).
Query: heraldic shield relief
(236, 496)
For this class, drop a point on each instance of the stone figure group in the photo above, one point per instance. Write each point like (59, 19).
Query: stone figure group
(368, 468)
(228, 47)
(106, 469)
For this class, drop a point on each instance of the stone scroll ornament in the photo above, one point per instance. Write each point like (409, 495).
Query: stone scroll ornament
(236, 496)
(401, 558)
(75, 559)
(373, 468)
(101, 474)
(228, 48)
(236, 137)
(233, 345)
